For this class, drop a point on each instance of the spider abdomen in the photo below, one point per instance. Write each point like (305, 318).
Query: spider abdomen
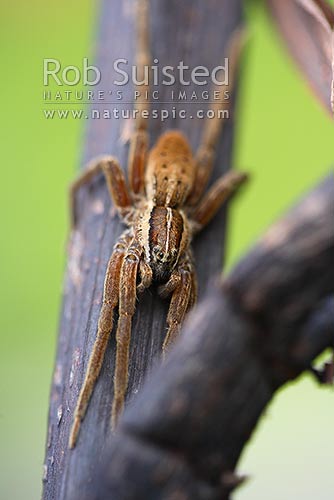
(170, 171)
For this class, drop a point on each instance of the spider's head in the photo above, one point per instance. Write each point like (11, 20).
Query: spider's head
(165, 237)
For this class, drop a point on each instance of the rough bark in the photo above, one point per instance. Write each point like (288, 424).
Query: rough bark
(254, 331)
(196, 32)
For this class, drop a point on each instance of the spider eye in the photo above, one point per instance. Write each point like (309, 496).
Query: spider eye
(157, 252)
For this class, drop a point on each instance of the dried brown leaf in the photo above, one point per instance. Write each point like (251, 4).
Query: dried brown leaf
(307, 27)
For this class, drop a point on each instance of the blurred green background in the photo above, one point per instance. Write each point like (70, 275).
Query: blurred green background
(283, 138)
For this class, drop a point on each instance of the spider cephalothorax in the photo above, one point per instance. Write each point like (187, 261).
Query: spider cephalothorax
(166, 240)
(163, 204)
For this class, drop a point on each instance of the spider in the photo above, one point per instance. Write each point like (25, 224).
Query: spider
(163, 206)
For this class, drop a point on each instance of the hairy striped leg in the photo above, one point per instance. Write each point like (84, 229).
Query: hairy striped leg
(110, 301)
(205, 155)
(139, 139)
(184, 294)
(126, 308)
(146, 276)
(116, 183)
(222, 189)
(194, 290)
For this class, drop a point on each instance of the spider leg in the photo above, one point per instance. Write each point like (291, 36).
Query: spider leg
(205, 155)
(115, 181)
(194, 290)
(222, 189)
(139, 139)
(167, 288)
(110, 301)
(175, 280)
(146, 276)
(127, 303)
(181, 299)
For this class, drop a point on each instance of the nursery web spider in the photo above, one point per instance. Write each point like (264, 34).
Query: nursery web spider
(163, 208)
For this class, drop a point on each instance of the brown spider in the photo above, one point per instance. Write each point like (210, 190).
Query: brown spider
(163, 208)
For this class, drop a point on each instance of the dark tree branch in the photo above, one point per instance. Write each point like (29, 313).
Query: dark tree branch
(196, 32)
(254, 331)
